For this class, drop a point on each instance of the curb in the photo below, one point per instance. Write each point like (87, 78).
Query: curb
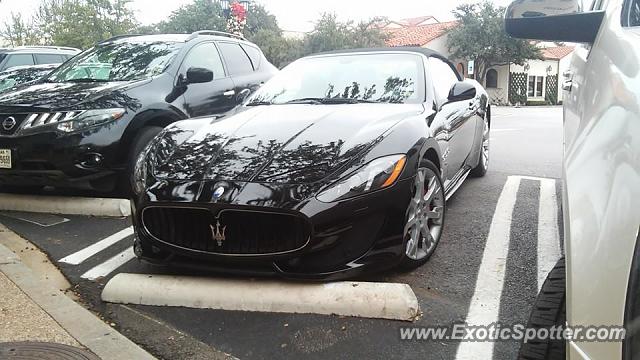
(358, 299)
(79, 322)
(65, 205)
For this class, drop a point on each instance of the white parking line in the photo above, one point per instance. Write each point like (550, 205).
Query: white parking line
(485, 304)
(82, 255)
(548, 233)
(110, 265)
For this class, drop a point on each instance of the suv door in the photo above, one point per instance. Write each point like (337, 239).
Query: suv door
(13, 60)
(602, 174)
(215, 97)
(49, 59)
(241, 67)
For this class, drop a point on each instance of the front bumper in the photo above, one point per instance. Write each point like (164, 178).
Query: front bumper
(347, 239)
(63, 160)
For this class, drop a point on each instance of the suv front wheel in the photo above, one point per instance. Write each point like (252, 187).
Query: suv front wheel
(144, 136)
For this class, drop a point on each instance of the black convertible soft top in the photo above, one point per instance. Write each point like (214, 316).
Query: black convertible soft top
(424, 51)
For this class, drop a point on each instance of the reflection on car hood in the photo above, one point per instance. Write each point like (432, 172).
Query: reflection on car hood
(59, 95)
(291, 144)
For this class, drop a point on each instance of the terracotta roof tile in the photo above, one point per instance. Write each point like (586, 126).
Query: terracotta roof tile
(556, 53)
(418, 35)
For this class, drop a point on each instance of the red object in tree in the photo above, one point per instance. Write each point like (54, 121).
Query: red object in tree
(238, 11)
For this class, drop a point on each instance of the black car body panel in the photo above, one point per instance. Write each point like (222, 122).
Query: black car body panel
(23, 74)
(49, 157)
(240, 193)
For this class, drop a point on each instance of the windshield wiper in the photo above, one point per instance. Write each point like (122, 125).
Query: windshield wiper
(87, 80)
(329, 101)
(259, 103)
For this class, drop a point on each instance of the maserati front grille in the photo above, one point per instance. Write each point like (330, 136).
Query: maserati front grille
(227, 231)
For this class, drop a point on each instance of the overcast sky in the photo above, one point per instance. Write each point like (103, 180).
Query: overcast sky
(293, 15)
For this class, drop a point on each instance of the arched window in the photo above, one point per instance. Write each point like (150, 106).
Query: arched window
(461, 69)
(492, 78)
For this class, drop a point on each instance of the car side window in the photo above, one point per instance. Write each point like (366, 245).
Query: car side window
(254, 54)
(631, 14)
(238, 63)
(443, 78)
(205, 56)
(49, 59)
(19, 60)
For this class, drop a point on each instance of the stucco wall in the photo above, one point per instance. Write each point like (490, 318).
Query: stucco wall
(538, 68)
(500, 94)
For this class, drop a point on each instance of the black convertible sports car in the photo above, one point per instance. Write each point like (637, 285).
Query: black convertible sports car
(340, 164)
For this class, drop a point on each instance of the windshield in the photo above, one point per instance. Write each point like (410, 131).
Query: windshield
(126, 61)
(385, 78)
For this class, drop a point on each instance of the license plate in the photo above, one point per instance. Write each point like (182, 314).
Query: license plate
(5, 159)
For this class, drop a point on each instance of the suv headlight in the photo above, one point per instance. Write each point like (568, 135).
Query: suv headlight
(378, 174)
(70, 121)
(90, 118)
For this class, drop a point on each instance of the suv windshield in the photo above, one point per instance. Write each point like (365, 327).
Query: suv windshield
(385, 78)
(126, 61)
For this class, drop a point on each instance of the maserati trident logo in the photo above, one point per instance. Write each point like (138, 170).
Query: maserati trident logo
(9, 123)
(218, 233)
(218, 193)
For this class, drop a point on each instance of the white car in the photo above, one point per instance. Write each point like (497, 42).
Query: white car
(601, 182)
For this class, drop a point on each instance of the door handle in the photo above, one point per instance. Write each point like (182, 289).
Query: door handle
(567, 84)
(229, 93)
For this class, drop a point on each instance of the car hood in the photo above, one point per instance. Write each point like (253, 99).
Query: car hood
(286, 144)
(52, 96)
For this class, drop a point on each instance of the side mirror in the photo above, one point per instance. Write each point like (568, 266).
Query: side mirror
(552, 20)
(461, 91)
(199, 76)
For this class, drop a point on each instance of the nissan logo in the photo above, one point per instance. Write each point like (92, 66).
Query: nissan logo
(9, 123)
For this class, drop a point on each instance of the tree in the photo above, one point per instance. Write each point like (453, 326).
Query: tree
(199, 15)
(76, 23)
(278, 49)
(331, 34)
(480, 36)
(19, 32)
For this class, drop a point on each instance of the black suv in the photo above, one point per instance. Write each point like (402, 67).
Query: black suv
(34, 55)
(83, 125)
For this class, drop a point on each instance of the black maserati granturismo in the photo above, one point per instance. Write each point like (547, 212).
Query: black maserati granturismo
(339, 165)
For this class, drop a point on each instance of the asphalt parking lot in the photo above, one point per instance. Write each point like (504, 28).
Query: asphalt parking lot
(502, 235)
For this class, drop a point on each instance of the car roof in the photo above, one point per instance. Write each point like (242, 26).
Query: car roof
(40, 50)
(176, 38)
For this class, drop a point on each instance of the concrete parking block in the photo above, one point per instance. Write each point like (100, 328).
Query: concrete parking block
(358, 299)
(65, 205)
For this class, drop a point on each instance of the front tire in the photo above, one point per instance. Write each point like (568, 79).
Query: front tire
(144, 136)
(424, 217)
(548, 311)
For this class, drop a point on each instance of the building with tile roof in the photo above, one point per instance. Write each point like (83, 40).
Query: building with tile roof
(538, 81)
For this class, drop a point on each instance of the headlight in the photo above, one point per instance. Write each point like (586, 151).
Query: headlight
(140, 172)
(91, 118)
(378, 174)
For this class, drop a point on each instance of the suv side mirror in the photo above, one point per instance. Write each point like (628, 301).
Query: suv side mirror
(461, 91)
(552, 20)
(199, 75)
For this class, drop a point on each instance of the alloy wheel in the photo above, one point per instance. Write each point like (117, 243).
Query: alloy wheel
(486, 142)
(425, 215)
